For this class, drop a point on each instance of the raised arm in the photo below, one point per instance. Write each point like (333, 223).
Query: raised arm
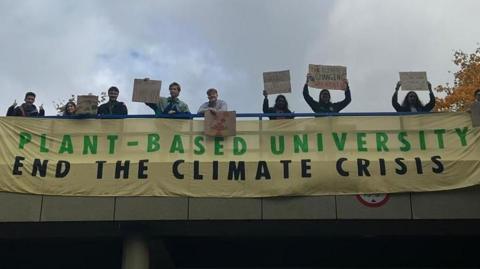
(306, 95)
(265, 102)
(348, 98)
(395, 103)
(431, 104)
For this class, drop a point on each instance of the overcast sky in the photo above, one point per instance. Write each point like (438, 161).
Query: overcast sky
(64, 47)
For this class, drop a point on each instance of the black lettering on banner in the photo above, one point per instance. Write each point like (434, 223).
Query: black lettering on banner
(196, 171)
(175, 169)
(403, 168)
(286, 171)
(436, 160)
(418, 163)
(362, 167)
(100, 169)
(262, 171)
(215, 170)
(39, 167)
(236, 172)
(340, 170)
(119, 169)
(17, 165)
(142, 168)
(383, 170)
(63, 167)
(306, 168)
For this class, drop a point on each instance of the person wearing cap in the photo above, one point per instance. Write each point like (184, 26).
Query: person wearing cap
(324, 104)
(113, 107)
(27, 109)
(214, 104)
(171, 105)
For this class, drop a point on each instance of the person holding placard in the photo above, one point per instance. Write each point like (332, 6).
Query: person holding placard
(324, 104)
(27, 109)
(113, 107)
(171, 105)
(214, 104)
(411, 102)
(70, 109)
(281, 106)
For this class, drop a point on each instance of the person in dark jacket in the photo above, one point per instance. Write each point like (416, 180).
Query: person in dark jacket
(281, 106)
(324, 104)
(27, 109)
(113, 107)
(411, 102)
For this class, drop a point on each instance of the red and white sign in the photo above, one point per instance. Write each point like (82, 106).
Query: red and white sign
(373, 200)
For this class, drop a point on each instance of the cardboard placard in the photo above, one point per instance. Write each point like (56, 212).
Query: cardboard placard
(414, 81)
(87, 104)
(222, 123)
(277, 82)
(327, 76)
(475, 110)
(146, 91)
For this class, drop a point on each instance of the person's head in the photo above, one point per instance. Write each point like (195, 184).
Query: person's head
(70, 108)
(30, 98)
(113, 93)
(324, 96)
(477, 95)
(281, 102)
(212, 95)
(411, 100)
(174, 89)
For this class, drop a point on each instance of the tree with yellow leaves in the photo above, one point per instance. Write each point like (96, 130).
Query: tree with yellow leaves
(467, 80)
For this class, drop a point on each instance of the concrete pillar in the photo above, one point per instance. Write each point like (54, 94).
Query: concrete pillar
(135, 252)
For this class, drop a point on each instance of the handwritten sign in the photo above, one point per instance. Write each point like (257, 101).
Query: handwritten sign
(87, 104)
(220, 123)
(146, 91)
(327, 76)
(277, 82)
(414, 81)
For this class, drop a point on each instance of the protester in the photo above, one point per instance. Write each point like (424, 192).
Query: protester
(411, 102)
(171, 105)
(70, 109)
(281, 106)
(27, 109)
(113, 107)
(324, 104)
(214, 104)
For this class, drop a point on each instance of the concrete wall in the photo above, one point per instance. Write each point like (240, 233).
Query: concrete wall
(456, 204)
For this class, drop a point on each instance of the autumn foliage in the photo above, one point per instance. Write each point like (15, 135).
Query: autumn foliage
(467, 80)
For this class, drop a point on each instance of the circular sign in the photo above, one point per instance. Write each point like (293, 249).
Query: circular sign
(373, 200)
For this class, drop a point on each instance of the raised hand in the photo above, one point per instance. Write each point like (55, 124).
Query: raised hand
(399, 84)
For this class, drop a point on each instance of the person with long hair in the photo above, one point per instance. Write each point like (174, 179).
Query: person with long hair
(411, 102)
(324, 104)
(281, 106)
(70, 109)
